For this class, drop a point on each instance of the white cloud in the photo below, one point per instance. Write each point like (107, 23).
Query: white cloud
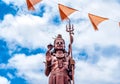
(4, 80)
(31, 68)
(25, 30)
(15, 2)
(105, 72)
(33, 31)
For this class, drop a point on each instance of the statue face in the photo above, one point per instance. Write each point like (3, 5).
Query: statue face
(59, 44)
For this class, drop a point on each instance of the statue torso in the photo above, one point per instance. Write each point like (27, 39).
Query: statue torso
(59, 62)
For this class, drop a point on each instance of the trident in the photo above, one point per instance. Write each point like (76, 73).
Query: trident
(70, 29)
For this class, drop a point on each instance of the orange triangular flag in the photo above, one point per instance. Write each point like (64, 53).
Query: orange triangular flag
(31, 3)
(35, 1)
(95, 20)
(65, 11)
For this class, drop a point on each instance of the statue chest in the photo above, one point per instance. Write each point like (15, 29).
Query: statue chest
(60, 61)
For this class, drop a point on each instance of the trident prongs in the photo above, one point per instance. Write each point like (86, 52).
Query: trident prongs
(70, 28)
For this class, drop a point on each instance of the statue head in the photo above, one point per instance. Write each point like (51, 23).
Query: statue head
(59, 43)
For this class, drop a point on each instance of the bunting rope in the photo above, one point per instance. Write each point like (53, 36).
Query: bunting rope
(65, 11)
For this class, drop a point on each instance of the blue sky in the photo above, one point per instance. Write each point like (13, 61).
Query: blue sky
(24, 36)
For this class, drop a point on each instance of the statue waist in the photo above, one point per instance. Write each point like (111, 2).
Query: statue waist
(59, 72)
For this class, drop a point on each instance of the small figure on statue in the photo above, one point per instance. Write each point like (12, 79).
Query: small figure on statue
(59, 63)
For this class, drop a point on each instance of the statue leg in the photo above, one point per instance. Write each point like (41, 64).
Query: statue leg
(60, 79)
(52, 79)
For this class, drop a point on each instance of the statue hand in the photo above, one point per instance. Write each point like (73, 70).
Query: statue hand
(48, 53)
(50, 46)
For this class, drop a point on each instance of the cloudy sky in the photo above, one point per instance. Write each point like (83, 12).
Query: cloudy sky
(25, 34)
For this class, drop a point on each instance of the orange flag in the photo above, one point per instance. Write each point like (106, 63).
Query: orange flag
(31, 3)
(65, 11)
(96, 20)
